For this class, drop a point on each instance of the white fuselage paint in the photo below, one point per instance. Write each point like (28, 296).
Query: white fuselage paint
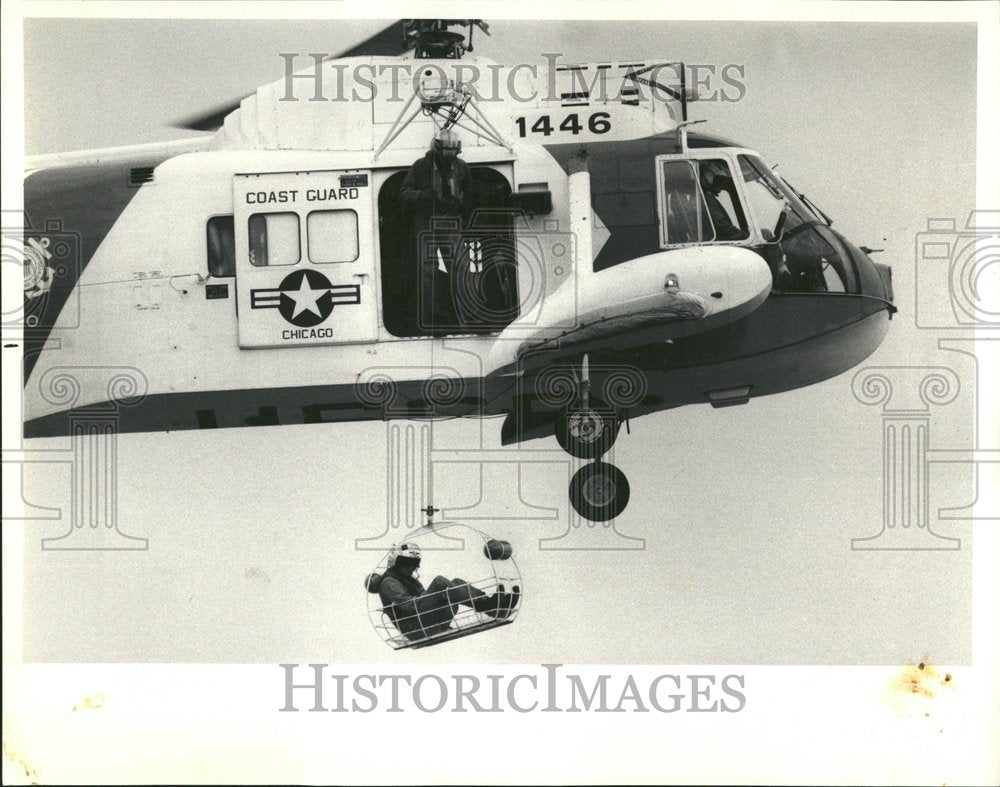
(141, 302)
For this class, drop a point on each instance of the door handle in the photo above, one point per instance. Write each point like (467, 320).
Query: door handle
(360, 275)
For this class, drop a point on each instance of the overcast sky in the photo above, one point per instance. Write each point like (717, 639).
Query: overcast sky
(747, 512)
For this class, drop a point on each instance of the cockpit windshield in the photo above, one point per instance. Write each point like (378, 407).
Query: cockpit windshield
(774, 204)
(819, 214)
(802, 252)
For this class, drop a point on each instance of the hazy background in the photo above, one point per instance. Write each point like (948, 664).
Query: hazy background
(747, 512)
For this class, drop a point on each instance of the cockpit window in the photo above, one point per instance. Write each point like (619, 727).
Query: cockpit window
(684, 212)
(802, 252)
(699, 203)
(724, 208)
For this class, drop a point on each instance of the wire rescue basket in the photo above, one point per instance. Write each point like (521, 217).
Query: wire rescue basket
(469, 583)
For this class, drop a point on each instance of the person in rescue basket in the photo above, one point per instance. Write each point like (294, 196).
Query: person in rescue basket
(438, 193)
(420, 612)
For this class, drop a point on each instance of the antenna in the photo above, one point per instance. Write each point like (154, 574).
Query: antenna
(682, 137)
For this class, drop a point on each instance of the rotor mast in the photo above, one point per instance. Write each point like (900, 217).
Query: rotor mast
(447, 102)
(431, 38)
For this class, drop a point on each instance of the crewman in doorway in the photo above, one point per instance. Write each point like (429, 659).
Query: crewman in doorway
(438, 193)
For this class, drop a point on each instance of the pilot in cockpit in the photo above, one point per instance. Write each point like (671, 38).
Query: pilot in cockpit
(715, 180)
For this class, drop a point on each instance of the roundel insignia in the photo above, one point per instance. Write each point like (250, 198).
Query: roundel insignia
(306, 298)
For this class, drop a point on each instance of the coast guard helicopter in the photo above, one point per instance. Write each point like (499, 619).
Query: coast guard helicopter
(617, 263)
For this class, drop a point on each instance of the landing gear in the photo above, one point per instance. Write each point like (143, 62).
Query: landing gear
(587, 429)
(586, 433)
(599, 491)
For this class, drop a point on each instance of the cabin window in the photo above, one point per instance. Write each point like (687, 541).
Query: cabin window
(221, 237)
(274, 239)
(332, 235)
(699, 203)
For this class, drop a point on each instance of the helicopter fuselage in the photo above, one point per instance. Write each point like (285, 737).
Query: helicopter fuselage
(183, 283)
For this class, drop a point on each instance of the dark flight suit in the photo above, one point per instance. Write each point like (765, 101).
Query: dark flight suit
(724, 227)
(431, 192)
(419, 612)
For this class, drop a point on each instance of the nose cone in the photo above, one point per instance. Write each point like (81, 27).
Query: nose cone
(874, 278)
(885, 274)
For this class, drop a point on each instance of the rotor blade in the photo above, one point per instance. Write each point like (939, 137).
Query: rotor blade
(208, 121)
(387, 42)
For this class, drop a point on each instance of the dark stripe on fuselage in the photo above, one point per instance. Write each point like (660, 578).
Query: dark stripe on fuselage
(789, 342)
(73, 208)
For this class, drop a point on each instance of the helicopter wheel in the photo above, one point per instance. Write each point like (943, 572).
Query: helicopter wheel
(586, 433)
(599, 491)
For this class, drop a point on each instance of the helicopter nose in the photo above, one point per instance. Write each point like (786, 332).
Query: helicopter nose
(873, 278)
(885, 274)
(876, 281)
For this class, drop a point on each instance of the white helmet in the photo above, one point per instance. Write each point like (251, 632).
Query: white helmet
(446, 143)
(404, 555)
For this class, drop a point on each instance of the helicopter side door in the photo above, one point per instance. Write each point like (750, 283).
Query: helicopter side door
(305, 258)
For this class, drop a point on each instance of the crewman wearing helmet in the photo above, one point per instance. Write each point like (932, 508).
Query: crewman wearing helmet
(438, 194)
(420, 612)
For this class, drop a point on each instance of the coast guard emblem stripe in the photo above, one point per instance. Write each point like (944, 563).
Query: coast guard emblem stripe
(271, 298)
(305, 298)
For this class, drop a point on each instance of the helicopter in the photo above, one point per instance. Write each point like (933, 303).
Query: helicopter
(618, 263)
